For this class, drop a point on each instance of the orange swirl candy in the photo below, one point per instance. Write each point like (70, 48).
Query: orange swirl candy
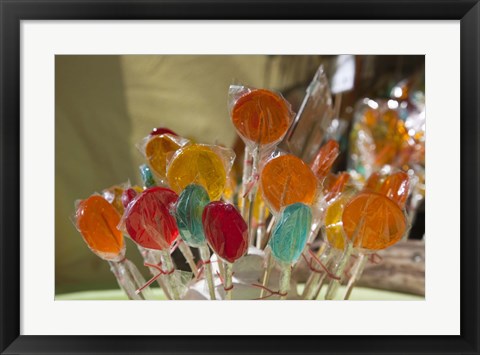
(373, 221)
(156, 150)
(97, 221)
(261, 116)
(286, 180)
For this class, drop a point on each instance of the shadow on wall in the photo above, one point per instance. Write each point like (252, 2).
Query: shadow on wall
(90, 117)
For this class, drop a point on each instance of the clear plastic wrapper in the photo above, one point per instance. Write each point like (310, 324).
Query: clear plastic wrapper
(309, 127)
(200, 164)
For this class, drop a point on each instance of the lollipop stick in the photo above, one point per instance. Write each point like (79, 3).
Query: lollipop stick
(285, 277)
(228, 285)
(128, 280)
(314, 278)
(188, 255)
(205, 256)
(169, 269)
(357, 273)
(267, 272)
(260, 230)
(154, 257)
(247, 169)
(335, 283)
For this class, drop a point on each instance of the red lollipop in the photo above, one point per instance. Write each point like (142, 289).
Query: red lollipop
(227, 234)
(162, 130)
(226, 231)
(148, 220)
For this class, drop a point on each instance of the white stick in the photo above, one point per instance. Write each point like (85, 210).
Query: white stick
(207, 271)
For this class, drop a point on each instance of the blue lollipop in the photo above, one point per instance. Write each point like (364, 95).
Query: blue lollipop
(289, 238)
(188, 213)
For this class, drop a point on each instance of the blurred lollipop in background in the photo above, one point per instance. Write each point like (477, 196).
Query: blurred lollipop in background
(97, 221)
(188, 213)
(227, 234)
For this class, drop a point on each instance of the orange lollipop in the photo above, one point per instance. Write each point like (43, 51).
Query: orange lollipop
(373, 183)
(97, 221)
(396, 187)
(286, 180)
(373, 221)
(261, 116)
(156, 150)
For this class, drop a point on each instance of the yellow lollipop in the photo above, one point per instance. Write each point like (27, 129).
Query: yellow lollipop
(197, 164)
(156, 151)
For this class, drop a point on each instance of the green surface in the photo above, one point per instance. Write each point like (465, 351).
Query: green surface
(359, 293)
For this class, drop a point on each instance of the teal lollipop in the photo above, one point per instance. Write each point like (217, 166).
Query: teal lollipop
(289, 238)
(190, 205)
(188, 213)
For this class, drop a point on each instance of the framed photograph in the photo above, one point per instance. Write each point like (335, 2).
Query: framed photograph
(239, 177)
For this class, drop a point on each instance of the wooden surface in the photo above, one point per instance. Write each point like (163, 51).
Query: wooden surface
(400, 268)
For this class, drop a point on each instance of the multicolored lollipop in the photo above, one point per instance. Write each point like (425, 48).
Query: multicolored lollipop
(289, 238)
(286, 180)
(227, 234)
(201, 165)
(96, 219)
(188, 213)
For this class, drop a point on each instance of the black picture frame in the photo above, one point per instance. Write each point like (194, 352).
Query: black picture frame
(12, 12)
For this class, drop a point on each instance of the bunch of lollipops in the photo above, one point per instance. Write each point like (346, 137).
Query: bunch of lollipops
(242, 239)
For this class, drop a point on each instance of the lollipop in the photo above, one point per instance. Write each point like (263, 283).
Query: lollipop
(201, 165)
(97, 221)
(325, 158)
(227, 234)
(157, 146)
(373, 222)
(285, 180)
(147, 176)
(162, 130)
(188, 213)
(288, 240)
(335, 198)
(262, 119)
(150, 256)
(149, 223)
(261, 116)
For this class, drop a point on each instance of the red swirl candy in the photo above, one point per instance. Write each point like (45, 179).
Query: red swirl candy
(225, 230)
(148, 219)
